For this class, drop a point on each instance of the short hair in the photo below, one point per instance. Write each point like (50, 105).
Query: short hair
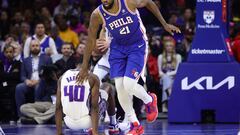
(39, 22)
(68, 43)
(6, 47)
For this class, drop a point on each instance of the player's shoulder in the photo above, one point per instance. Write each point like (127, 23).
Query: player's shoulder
(96, 11)
(96, 16)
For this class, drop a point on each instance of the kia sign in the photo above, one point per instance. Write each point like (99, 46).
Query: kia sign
(210, 79)
(186, 85)
(200, 86)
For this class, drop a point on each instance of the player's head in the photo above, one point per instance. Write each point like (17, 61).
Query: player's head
(107, 4)
(35, 47)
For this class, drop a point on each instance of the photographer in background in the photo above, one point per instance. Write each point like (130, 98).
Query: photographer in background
(43, 109)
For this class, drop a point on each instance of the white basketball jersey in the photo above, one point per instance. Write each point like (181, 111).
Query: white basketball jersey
(74, 97)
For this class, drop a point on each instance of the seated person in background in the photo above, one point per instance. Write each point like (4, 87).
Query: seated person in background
(9, 78)
(168, 63)
(83, 104)
(47, 44)
(79, 51)
(43, 109)
(67, 61)
(30, 74)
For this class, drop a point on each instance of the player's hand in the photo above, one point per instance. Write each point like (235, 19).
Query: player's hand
(82, 75)
(171, 29)
(102, 45)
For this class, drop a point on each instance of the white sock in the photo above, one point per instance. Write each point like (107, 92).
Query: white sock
(125, 100)
(137, 90)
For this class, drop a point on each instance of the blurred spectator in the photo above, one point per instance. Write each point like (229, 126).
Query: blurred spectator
(62, 8)
(67, 62)
(8, 40)
(168, 63)
(17, 19)
(43, 108)
(11, 40)
(30, 74)
(47, 44)
(83, 37)
(79, 51)
(175, 19)
(47, 24)
(75, 10)
(65, 33)
(24, 33)
(17, 51)
(152, 77)
(4, 24)
(45, 13)
(189, 22)
(76, 26)
(58, 41)
(29, 18)
(155, 45)
(10, 77)
(86, 16)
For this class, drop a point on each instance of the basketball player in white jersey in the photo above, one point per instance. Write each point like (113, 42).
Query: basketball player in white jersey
(82, 104)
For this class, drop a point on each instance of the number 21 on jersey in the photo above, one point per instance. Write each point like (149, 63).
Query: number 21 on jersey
(75, 93)
(124, 30)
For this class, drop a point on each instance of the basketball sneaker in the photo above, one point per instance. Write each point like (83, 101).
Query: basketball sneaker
(113, 129)
(152, 109)
(136, 129)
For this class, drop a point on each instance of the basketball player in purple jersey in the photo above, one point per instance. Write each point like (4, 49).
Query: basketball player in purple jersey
(128, 52)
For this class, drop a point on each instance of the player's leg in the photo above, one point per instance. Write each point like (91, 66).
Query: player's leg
(107, 93)
(134, 70)
(125, 100)
(102, 68)
(117, 61)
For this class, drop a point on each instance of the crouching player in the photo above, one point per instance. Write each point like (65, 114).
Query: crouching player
(82, 105)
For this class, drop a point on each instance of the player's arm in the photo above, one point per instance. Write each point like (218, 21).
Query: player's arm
(95, 22)
(94, 83)
(152, 7)
(59, 113)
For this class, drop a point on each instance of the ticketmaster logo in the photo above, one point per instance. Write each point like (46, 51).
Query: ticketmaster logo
(205, 51)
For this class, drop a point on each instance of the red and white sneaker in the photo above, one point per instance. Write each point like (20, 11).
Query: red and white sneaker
(113, 129)
(152, 109)
(136, 129)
